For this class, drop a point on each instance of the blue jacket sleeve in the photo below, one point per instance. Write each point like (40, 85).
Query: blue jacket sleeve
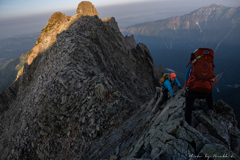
(167, 85)
(178, 83)
(187, 72)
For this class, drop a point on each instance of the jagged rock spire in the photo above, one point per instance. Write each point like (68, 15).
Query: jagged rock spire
(56, 24)
(87, 8)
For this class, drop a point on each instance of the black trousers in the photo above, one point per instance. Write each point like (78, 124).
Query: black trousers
(164, 97)
(190, 98)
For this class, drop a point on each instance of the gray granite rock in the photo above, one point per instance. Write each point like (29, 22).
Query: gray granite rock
(165, 135)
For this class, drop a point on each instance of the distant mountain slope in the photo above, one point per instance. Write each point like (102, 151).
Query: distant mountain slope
(7, 54)
(12, 56)
(13, 48)
(19, 43)
(171, 41)
(204, 18)
(215, 26)
(8, 72)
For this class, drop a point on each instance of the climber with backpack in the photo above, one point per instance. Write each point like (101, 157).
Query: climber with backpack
(166, 82)
(199, 80)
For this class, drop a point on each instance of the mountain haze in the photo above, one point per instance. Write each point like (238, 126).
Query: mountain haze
(8, 72)
(12, 48)
(19, 43)
(88, 92)
(13, 54)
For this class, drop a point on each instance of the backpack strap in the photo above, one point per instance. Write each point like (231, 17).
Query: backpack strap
(191, 59)
(214, 79)
(194, 60)
(194, 78)
(188, 64)
(163, 79)
(197, 58)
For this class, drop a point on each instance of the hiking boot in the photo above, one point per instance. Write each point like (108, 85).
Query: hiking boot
(159, 107)
(155, 110)
(162, 107)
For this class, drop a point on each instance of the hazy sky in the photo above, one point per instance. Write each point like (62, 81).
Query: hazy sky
(9, 8)
(21, 17)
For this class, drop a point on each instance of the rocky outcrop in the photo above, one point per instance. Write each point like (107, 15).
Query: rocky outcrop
(112, 22)
(159, 73)
(57, 23)
(86, 8)
(131, 41)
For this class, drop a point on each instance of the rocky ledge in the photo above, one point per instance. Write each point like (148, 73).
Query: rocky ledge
(164, 134)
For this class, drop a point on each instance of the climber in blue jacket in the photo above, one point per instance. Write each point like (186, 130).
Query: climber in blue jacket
(167, 86)
(187, 72)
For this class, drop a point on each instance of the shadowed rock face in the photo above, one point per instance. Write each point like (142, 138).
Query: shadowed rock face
(89, 96)
(90, 80)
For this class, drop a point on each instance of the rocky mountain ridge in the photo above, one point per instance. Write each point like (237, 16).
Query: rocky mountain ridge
(198, 19)
(90, 95)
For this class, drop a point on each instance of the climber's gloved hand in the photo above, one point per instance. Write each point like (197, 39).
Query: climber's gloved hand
(173, 96)
(180, 87)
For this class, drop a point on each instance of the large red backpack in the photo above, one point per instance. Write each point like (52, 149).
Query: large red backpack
(202, 77)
